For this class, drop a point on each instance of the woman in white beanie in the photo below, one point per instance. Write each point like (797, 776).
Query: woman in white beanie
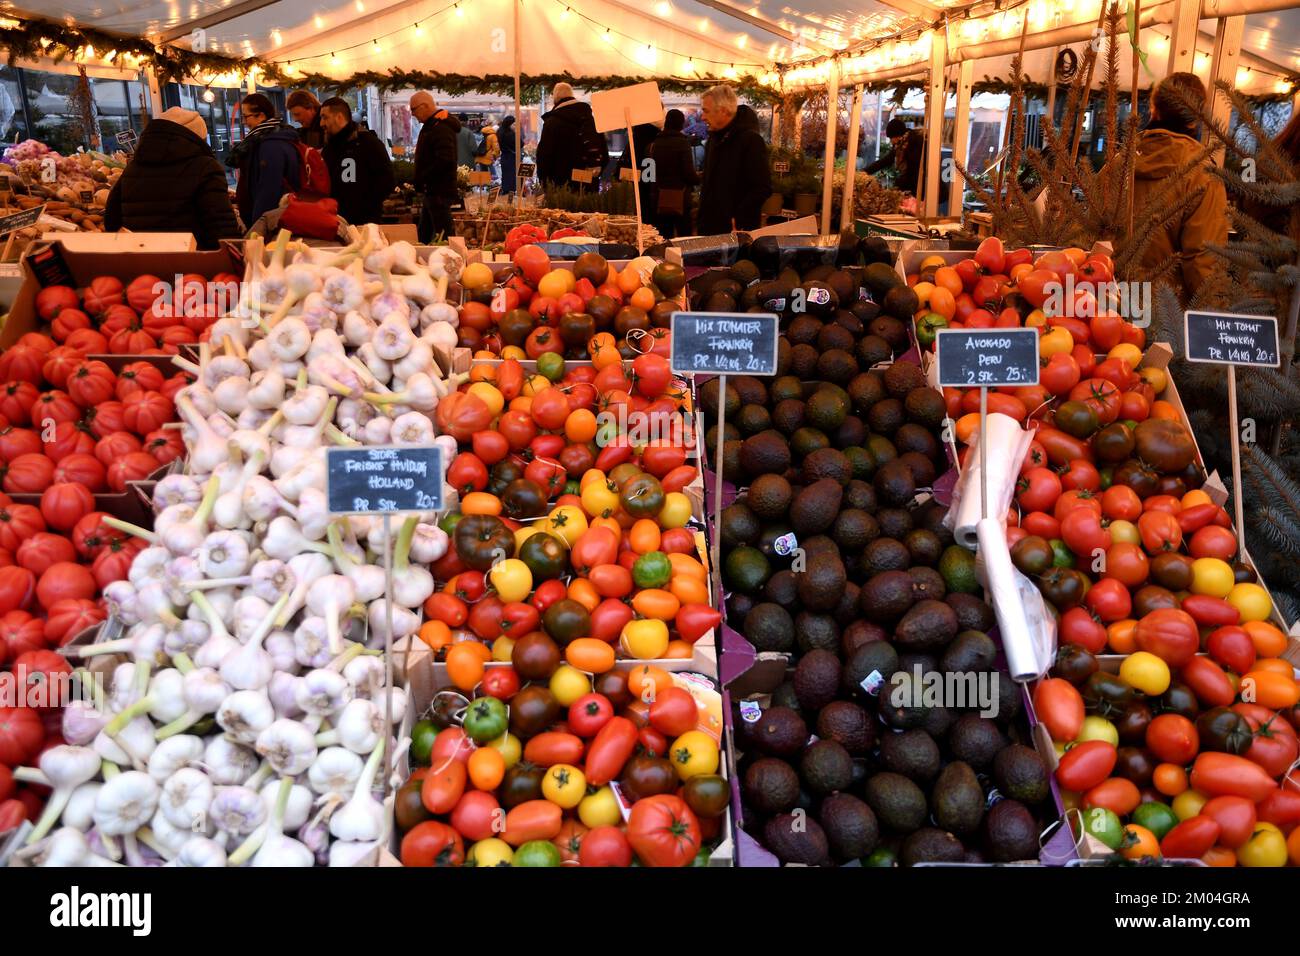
(569, 139)
(174, 183)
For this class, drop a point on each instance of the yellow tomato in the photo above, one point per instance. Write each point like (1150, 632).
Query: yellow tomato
(476, 277)
(1127, 351)
(600, 499)
(1194, 498)
(509, 746)
(644, 640)
(1157, 378)
(1188, 804)
(600, 809)
(555, 283)
(568, 684)
(1057, 341)
(693, 753)
(490, 396)
(482, 354)
(1124, 531)
(1098, 728)
(512, 579)
(480, 503)
(933, 262)
(567, 522)
(502, 648)
(490, 852)
(676, 510)
(514, 352)
(1212, 576)
(1037, 319)
(1266, 847)
(923, 290)
(564, 785)
(534, 384)
(1146, 672)
(1251, 601)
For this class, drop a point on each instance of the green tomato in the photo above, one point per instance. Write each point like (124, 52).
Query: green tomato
(423, 734)
(652, 570)
(1098, 728)
(1104, 825)
(537, 853)
(485, 719)
(551, 365)
(449, 522)
(927, 326)
(881, 856)
(1159, 818)
(1062, 556)
(701, 858)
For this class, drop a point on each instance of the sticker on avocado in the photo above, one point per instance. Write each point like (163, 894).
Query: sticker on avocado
(873, 682)
(750, 712)
(864, 294)
(994, 796)
(819, 296)
(786, 544)
(775, 305)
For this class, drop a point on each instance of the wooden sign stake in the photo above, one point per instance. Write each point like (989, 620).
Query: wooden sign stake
(716, 556)
(1238, 508)
(636, 183)
(984, 452)
(389, 756)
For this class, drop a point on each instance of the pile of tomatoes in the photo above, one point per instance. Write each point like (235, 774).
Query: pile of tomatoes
(1181, 753)
(535, 308)
(144, 317)
(567, 772)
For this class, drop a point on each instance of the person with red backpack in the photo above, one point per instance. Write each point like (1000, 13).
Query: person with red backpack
(271, 162)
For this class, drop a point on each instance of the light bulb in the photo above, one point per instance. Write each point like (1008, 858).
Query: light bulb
(419, 30)
(209, 96)
(606, 37)
(459, 11)
(564, 15)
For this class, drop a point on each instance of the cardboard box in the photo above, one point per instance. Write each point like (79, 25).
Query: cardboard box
(116, 243)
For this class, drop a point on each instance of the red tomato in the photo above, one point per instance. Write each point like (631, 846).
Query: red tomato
(609, 618)
(1060, 373)
(1172, 738)
(475, 815)
(1190, 839)
(674, 712)
(432, 844)
(1128, 564)
(1084, 766)
(1170, 634)
(467, 472)
(1120, 502)
(1075, 500)
(605, 846)
(663, 832)
(1235, 817)
(500, 682)
(1083, 533)
(1219, 774)
(1041, 524)
(1082, 475)
(1078, 626)
(1038, 489)
(1109, 600)
(21, 735)
(1116, 794)
(1159, 531)
(1101, 394)
(1209, 611)
(1232, 647)
(66, 503)
(589, 713)
(1213, 541)
(1059, 707)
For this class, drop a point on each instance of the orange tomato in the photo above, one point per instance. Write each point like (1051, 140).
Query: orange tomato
(1194, 498)
(443, 786)
(1293, 847)
(1272, 690)
(642, 298)
(647, 678)
(1122, 636)
(612, 523)
(590, 654)
(656, 603)
(465, 662)
(483, 373)
(1170, 779)
(1162, 409)
(1221, 856)
(689, 590)
(943, 302)
(1269, 641)
(967, 426)
(1140, 842)
(590, 475)
(1274, 665)
(487, 768)
(584, 592)
(644, 536)
(629, 280)
(480, 503)
(580, 426)
(687, 566)
(1116, 794)
(948, 279)
(678, 650)
(436, 634)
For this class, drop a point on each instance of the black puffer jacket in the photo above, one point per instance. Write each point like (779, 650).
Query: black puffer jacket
(569, 141)
(362, 185)
(736, 180)
(173, 184)
(435, 156)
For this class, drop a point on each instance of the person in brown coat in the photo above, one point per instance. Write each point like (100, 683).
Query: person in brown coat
(1168, 144)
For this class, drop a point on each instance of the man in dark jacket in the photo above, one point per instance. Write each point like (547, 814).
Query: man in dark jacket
(174, 184)
(435, 166)
(905, 157)
(643, 136)
(305, 110)
(675, 175)
(267, 159)
(569, 139)
(736, 177)
(361, 174)
(509, 154)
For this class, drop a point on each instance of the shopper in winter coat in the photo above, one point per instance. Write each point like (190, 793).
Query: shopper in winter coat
(489, 150)
(435, 166)
(509, 153)
(675, 175)
(1167, 167)
(466, 142)
(174, 184)
(643, 136)
(737, 180)
(267, 159)
(569, 139)
(305, 110)
(361, 173)
(906, 155)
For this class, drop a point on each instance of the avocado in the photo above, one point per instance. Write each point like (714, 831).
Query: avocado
(850, 826)
(787, 386)
(930, 516)
(902, 377)
(1009, 698)
(895, 523)
(913, 753)
(803, 329)
(846, 611)
(928, 626)
(918, 439)
(895, 483)
(969, 651)
(769, 496)
(745, 569)
(752, 391)
(886, 596)
(925, 407)
(784, 696)
(817, 679)
(853, 530)
(731, 469)
(857, 633)
(836, 365)
(788, 415)
(738, 605)
(937, 721)
(1020, 774)
(973, 613)
(899, 804)
(752, 419)
(875, 657)
(739, 525)
(796, 838)
(827, 463)
(875, 249)
(865, 389)
(730, 433)
(780, 732)
(765, 453)
(957, 565)
(816, 632)
(822, 582)
(892, 331)
(781, 589)
(931, 845)
(922, 466)
(708, 393)
(770, 786)
(1010, 832)
(807, 440)
(885, 554)
(957, 799)
(772, 533)
(826, 409)
(900, 302)
(975, 740)
(859, 494)
(803, 361)
(744, 272)
(885, 417)
(881, 448)
(901, 701)
(835, 336)
(769, 627)
(880, 278)
(814, 508)
(826, 767)
(925, 548)
(719, 302)
(851, 433)
(872, 350)
(849, 725)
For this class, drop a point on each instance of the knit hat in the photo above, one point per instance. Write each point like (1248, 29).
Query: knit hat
(562, 91)
(191, 120)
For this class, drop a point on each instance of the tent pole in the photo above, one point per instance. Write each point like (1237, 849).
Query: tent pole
(960, 136)
(851, 163)
(1050, 112)
(935, 103)
(832, 114)
(1182, 36)
(155, 90)
(519, 125)
(1223, 66)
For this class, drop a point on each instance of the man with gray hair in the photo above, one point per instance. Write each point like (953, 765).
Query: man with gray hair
(736, 178)
(435, 166)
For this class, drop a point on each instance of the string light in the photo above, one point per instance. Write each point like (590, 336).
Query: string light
(419, 30)
(208, 95)
(606, 37)
(375, 44)
(459, 11)
(565, 14)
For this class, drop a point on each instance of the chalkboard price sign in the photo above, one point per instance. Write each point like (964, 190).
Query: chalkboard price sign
(1231, 339)
(527, 170)
(987, 358)
(385, 479)
(21, 220)
(725, 343)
